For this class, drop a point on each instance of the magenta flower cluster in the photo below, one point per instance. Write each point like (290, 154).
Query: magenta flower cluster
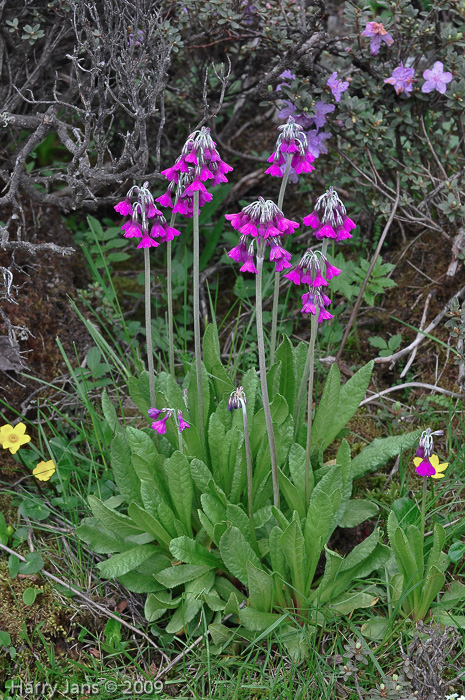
(261, 223)
(291, 148)
(159, 424)
(314, 270)
(198, 165)
(145, 222)
(329, 218)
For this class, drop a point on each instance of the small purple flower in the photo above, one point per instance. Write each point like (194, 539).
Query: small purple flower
(337, 86)
(377, 33)
(160, 425)
(316, 142)
(436, 78)
(154, 413)
(292, 146)
(124, 208)
(314, 300)
(425, 468)
(402, 79)
(321, 110)
(287, 75)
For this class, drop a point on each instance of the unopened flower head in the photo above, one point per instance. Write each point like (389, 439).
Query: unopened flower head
(237, 399)
(314, 270)
(291, 147)
(262, 225)
(377, 34)
(161, 417)
(146, 222)
(198, 165)
(329, 218)
(427, 463)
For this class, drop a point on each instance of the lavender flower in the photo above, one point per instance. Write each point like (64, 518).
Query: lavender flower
(315, 142)
(287, 75)
(402, 79)
(337, 86)
(310, 271)
(436, 78)
(291, 143)
(263, 224)
(144, 215)
(198, 165)
(329, 218)
(377, 33)
(321, 110)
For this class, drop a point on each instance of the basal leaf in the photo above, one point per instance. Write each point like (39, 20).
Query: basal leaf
(287, 380)
(181, 489)
(236, 552)
(125, 475)
(120, 564)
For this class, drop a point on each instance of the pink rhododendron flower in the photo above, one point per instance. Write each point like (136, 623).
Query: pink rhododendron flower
(436, 78)
(337, 86)
(402, 79)
(377, 34)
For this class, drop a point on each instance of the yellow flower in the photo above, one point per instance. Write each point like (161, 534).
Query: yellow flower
(44, 470)
(433, 462)
(13, 438)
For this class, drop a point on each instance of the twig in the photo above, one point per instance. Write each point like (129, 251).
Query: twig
(90, 602)
(422, 325)
(421, 335)
(370, 270)
(412, 385)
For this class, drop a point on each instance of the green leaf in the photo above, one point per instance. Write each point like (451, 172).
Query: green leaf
(327, 408)
(278, 560)
(236, 552)
(456, 552)
(351, 394)
(357, 511)
(193, 400)
(294, 497)
(260, 585)
(33, 564)
(150, 524)
(33, 509)
(293, 546)
(237, 517)
(184, 614)
(216, 440)
(181, 488)
(349, 601)
(453, 596)
(220, 634)
(297, 468)
(317, 530)
(139, 391)
(200, 474)
(272, 379)
(29, 595)
(211, 357)
(125, 476)
(380, 450)
(145, 458)
(157, 605)
(406, 511)
(257, 621)
(287, 380)
(139, 583)
(250, 385)
(375, 628)
(439, 537)
(118, 523)
(176, 575)
(120, 564)
(112, 633)
(434, 581)
(109, 411)
(13, 566)
(99, 538)
(189, 551)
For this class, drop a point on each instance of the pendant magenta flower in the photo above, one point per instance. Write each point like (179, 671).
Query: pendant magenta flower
(426, 463)
(262, 225)
(402, 79)
(329, 218)
(314, 270)
(377, 34)
(198, 166)
(146, 222)
(436, 78)
(159, 424)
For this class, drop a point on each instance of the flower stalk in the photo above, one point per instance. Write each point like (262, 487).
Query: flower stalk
(196, 311)
(262, 367)
(148, 326)
(311, 364)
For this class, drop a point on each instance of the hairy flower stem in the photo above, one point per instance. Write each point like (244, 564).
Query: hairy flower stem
(274, 313)
(148, 326)
(311, 358)
(262, 366)
(169, 290)
(248, 456)
(303, 384)
(196, 311)
(423, 516)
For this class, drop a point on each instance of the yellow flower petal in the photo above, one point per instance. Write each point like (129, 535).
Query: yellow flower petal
(434, 459)
(442, 467)
(12, 438)
(44, 470)
(20, 429)
(438, 476)
(417, 460)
